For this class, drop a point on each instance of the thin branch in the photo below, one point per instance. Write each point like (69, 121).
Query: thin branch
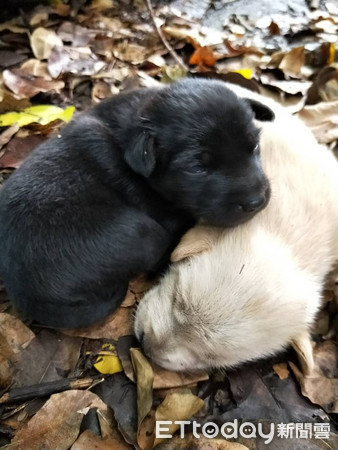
(163, 38)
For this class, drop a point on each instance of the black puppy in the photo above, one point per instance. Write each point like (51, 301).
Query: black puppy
(110, 197)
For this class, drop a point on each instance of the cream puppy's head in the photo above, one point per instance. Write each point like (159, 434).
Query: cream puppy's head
(202, 315)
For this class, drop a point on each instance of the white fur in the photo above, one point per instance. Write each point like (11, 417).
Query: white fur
(256, 287)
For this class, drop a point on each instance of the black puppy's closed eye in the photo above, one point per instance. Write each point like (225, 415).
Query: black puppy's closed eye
(261, 111)
(140, 156)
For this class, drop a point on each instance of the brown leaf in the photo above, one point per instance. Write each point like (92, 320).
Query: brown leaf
(319, 389)
(289, 87)
(144, 380)
(25, 85)
(75, 34)
(10, 58)
(43, 41)
(89, 440)
(37, 68)
(48, 357)
(18, 149)
(191, 442)
(56, 425)
(274, 29)
(281, 370)
(326, 359)
(101, 90)
(320, 89)
(130, 52)
(322, 118)
(7, 135)
(180, 405)
(14, 337)
(11, 102)
(203, 56)
(120, 323)
(79, 61)
(293, 61)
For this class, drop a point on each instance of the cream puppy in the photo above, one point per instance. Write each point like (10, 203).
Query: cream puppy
(239, 294)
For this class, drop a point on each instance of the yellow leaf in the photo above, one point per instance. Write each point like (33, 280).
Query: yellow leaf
(246, 73)
(42, 114)
(108, 363)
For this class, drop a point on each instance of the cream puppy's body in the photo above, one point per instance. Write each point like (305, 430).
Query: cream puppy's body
(255, 288)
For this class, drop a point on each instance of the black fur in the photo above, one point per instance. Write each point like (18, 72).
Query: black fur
(111, 196)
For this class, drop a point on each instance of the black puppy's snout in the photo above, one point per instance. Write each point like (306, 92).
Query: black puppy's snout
(253, 205)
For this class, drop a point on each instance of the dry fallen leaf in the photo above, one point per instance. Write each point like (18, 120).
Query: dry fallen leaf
(322, 118)
(88, 440)
(25, 85)
(293, 61)
(7, 135)
(18, 149)
(78, 61)
(120, 323)
(43, 41)
(77, 35)
(14, 337)
(193, 443)
(56, 425)
(180, 405)
(281, 370)
(203, 56)
(144, 380)
(319, 389)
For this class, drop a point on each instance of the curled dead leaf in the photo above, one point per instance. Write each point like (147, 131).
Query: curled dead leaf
(203, 56)
(319, 389)
(281, 370)
(76, 61)
(18, 149)
(322, 118)
(145, 417)
(56, 425)
(120, 323)
(293, 61)
(26, 85)
(43, 41)
(14, 337)
(176, 406)
(89, 440)
(191, 442)
(7, 135)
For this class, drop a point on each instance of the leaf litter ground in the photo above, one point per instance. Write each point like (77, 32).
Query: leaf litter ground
(93, 388)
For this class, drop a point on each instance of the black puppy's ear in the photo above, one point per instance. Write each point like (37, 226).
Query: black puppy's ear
(140, 156)
(261, 111)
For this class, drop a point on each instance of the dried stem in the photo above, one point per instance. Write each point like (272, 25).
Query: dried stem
(163, 38)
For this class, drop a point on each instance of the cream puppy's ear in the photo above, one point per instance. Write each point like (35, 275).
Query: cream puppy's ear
(196, 240)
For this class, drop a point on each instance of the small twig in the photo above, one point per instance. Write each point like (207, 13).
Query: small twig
(163, 38)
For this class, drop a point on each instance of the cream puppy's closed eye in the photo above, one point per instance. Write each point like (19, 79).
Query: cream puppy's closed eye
(234, 295)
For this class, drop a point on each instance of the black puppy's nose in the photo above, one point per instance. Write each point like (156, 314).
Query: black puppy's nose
(253, 205)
